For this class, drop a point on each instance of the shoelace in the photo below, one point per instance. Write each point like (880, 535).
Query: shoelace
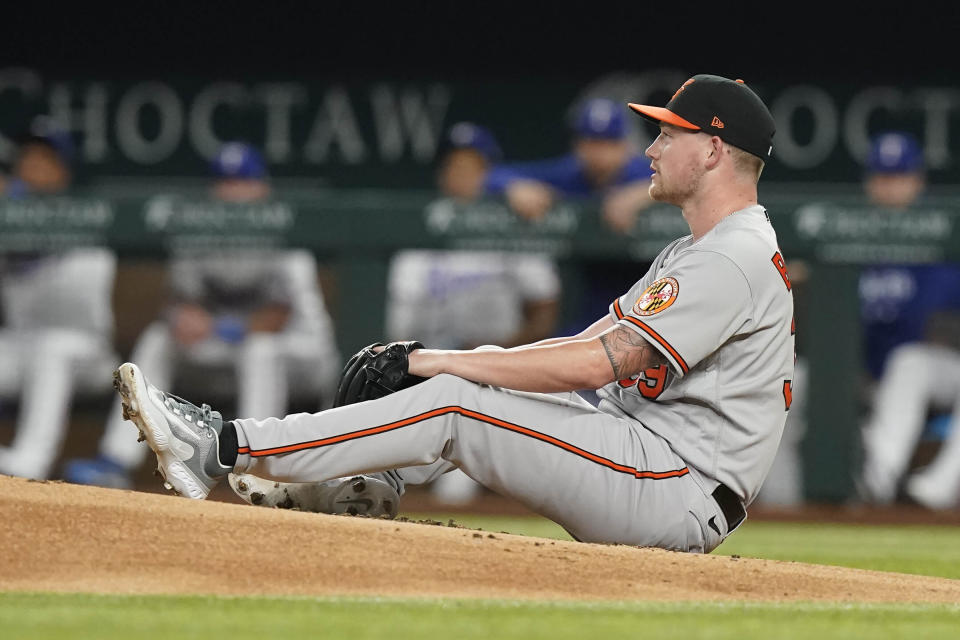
(180, 407)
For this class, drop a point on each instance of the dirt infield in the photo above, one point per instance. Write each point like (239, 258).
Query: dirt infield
(68, 538)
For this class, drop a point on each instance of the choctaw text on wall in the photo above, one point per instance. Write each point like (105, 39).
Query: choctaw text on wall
(371, 131)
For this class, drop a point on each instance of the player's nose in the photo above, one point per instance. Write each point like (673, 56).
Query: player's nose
(650, 153)
(653, 151)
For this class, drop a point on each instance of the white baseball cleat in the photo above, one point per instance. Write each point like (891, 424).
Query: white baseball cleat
(184, 437)
(356, 496)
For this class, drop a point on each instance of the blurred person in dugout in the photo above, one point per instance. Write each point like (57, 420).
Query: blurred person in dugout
(602, 165)
(57, 335)
(459, 299)
(911, 321)
(254, 318)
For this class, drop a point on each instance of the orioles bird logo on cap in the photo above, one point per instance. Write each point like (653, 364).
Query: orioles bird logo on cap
(682, 87)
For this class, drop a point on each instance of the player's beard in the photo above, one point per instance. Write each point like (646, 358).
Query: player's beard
(674, 191)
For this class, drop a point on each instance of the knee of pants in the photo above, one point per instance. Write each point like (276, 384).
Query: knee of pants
(450, 386)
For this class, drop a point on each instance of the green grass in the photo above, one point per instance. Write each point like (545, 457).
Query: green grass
(924, 550)
(48, 616)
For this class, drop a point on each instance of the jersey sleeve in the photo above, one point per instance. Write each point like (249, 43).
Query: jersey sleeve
(689, 309)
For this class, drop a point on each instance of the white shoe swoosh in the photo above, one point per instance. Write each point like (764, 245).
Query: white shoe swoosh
(183, 450)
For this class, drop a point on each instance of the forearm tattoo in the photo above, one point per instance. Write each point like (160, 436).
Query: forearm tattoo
(629, 353)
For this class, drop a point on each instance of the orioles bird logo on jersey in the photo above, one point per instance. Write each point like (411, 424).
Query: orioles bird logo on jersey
(657, 297)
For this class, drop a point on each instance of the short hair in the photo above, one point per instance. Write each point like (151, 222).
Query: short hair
(746, 162)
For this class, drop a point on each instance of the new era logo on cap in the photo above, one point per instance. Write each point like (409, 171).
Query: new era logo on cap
(723, 107)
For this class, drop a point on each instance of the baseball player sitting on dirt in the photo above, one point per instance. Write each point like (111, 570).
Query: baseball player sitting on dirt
(693, 365)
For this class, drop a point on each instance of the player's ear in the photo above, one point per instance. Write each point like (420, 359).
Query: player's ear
(715, 152)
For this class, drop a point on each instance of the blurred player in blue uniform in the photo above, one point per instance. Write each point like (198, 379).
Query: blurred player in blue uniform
(911, 320)
(603, 164)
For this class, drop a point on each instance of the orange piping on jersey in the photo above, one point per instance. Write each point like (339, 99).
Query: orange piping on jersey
(656, 336)
(616, 309)
(243, 450)
(473, 415)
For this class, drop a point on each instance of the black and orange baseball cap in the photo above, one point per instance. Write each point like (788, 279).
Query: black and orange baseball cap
(721, 107)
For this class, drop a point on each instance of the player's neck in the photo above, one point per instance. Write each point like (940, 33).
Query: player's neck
(705, 212)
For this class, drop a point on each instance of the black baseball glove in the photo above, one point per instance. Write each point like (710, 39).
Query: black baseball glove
(369, 375)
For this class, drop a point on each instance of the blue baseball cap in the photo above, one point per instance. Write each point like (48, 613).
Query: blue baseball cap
(45, 130)
(894, 152)
(601, 118)
(466, 135)
(238, 160)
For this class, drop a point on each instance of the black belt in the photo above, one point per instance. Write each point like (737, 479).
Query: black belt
(730, 505)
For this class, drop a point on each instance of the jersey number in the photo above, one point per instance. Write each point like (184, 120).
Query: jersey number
(652, 383)
(778, 262)
(787, 394)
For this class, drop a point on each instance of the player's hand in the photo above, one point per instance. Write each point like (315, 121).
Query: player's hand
(529, 198)
(623, 205)
(269, 319)
(191, 323)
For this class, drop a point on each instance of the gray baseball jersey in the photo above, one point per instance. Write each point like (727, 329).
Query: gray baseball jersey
(643, 467)
(720, 310)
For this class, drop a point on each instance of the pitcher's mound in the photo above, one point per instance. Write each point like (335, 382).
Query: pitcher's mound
(62, 537)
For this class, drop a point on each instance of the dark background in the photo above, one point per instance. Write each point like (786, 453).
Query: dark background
(866, 43)
(515, 67)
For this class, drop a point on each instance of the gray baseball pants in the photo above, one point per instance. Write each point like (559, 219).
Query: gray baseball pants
(602, 477)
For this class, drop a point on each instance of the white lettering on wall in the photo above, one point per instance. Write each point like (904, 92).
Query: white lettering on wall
(335, 125)
(410, 118)
(225, 95)
(279, 99)
(381, 123)
(856, 122)
(169, 110)
(90, 118)
(822, 109)
(936, 105)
